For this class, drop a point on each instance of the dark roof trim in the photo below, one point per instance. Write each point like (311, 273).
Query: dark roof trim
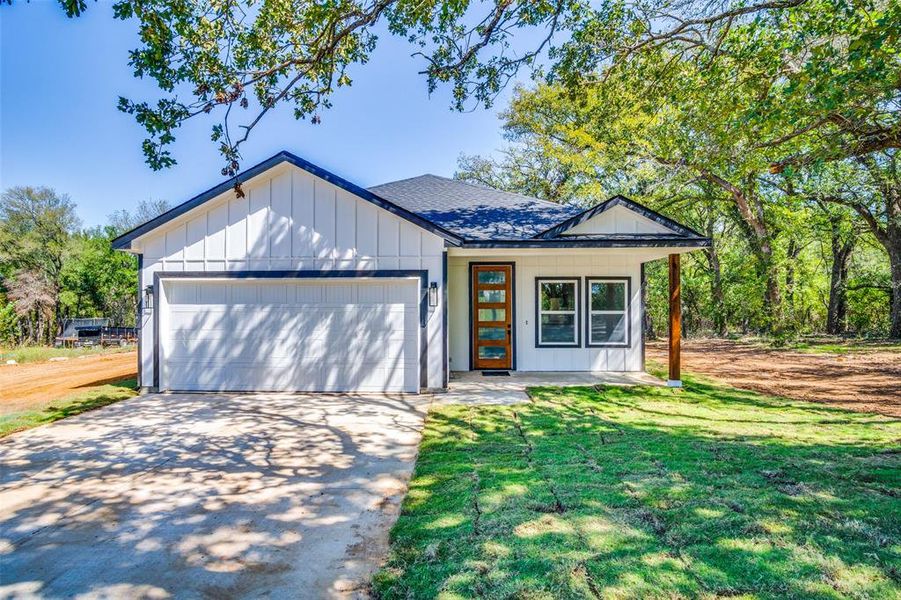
(123, 241)
(644, 211)
(633, 242)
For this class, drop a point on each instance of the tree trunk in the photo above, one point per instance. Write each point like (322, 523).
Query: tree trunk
(773, 297)
(717, 294)
(837, 315)
(793, 251)
(750, 207)
(895, 262)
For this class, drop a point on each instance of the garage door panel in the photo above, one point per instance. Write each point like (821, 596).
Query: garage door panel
(293, 336)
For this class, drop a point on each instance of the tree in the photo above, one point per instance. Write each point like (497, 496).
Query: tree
(123, 220)
(211, 56)
(35, 225)
(522, 170)
(881, 211)
(36, 302)
(242, 58)
(100, 281)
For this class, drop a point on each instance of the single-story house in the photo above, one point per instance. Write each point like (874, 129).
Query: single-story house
(304, 281)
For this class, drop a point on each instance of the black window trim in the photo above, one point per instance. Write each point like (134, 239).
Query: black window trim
(578, 299)
(628, 311)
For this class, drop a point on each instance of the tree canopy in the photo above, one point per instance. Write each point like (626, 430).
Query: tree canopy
(52, 269)
(766, 113)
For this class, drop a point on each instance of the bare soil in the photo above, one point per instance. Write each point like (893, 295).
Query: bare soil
(32, 384)
(865, 380)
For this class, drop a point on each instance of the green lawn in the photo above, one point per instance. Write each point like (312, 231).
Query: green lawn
(26, 354)
(650, 493)
(66, 407)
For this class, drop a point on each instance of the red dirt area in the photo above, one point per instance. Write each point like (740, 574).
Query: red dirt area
(22, 386)
(864, 380)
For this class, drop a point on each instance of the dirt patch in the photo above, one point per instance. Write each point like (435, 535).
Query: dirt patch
(866, 381)
(30, 384)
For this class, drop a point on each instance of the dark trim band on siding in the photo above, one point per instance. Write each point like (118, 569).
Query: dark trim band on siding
(578, 282)
(644, 211)
(139, 319)
(421, 274)
(444, 316)
(628, 312)
(123, 241)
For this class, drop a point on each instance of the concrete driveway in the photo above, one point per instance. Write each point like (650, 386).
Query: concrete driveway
(206, 496)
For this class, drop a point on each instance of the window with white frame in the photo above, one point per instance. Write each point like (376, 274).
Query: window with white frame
(608, 311)
(557, 318)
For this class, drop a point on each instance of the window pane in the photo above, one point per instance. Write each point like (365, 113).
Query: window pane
(492, 352)
(492, 333)
(608, 329)
(558, 296)
(492, 296)
(492, 314)
(608, 295)
(492, 276)
(558, 329)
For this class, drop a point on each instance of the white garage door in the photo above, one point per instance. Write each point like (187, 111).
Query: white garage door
(290, 335)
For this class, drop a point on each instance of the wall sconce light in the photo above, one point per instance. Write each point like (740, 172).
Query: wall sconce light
(148, 297)
(433, 294)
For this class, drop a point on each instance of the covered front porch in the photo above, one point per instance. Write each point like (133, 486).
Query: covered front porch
(554, 316)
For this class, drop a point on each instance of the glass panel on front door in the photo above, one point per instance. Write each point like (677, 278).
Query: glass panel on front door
(492, 333)
(492, 308)
(492, 314)
(492, 296)
(492, 352)
(492, 276)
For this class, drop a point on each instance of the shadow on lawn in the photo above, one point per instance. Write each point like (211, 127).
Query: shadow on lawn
(650, 493)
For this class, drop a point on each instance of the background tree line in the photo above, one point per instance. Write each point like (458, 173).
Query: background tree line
(51, 269)
(772, 125)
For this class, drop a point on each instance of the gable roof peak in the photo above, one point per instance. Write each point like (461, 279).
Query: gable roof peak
(618, 200)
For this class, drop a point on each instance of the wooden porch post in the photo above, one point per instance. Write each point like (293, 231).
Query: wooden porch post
(675, 322)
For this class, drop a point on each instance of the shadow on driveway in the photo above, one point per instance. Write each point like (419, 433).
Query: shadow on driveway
(190, 495)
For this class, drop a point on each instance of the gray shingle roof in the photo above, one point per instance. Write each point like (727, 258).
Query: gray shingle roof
(474, 212)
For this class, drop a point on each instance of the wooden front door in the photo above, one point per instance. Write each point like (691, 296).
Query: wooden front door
(492, 316)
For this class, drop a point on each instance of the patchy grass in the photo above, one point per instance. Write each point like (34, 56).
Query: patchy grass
(846, 347)
(28, 354)
(707, 492)
(72, 405)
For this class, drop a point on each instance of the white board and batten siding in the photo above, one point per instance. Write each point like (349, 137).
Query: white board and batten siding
(292, 220)
(598, 263)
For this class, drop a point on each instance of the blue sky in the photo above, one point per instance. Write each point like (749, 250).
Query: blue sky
(59, 126)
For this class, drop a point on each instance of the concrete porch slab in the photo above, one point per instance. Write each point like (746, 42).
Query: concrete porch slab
(472, 387)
